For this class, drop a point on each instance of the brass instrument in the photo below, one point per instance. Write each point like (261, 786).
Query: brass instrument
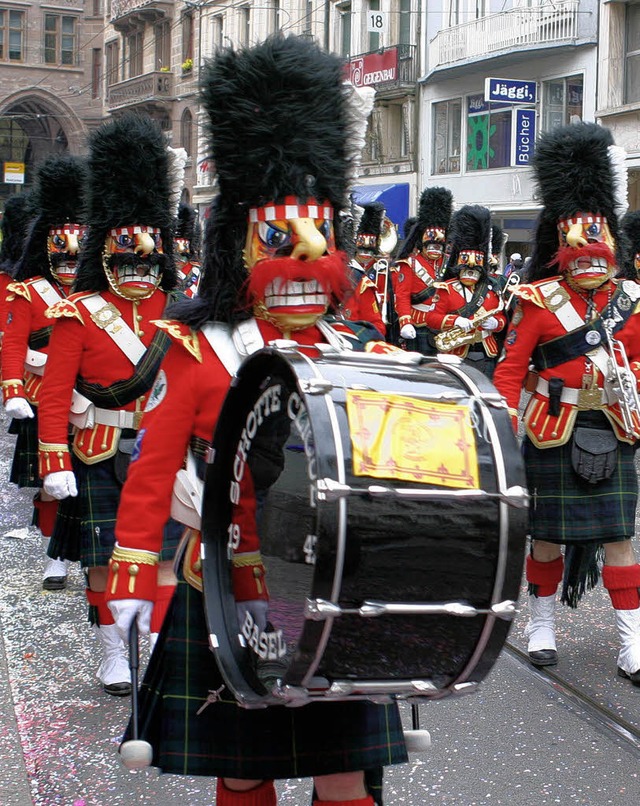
(388, 236)
(448, 340)
(621, 383)
(381, 266)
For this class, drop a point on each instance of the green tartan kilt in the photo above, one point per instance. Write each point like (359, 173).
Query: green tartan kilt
(24, 468)
(226, 740)
(565, 508)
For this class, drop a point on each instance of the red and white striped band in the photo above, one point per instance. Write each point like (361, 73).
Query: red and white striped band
(68, 229)
(582, 218)
(290, 208)
(134, 230)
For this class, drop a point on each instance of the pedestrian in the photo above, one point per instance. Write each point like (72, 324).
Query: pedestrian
(44, 275)
(279, 125)
(514, 265)
(580, 328)
(105, 344)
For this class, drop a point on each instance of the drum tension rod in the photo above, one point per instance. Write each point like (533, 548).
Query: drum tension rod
(321, 609)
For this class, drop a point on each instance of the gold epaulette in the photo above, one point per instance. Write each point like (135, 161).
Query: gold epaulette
(532, 292)
(367, 282)
(18, 290)
(64, 308)
(181, 334)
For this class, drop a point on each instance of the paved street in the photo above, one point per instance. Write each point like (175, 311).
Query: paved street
(523, 740)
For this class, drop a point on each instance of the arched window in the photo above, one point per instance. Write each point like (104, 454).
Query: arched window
(186, 131)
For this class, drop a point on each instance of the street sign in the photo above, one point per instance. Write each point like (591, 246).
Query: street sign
(14, 173)
(376, 22)
(525, 135)
(510, 90)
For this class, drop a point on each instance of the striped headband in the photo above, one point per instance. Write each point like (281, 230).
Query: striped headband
(290, 208)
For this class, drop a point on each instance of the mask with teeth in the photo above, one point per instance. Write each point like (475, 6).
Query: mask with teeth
(586, 254)
(133, 261)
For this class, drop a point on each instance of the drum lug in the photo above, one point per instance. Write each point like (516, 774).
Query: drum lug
(330, 490)
(464, 688)
(321, 609)
(517, 497)
(316, 386)
(505, 610)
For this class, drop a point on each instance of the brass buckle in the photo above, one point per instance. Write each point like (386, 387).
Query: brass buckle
(137, 417)
(590, 396)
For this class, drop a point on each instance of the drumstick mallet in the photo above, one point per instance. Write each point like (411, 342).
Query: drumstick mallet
(416, 740)
(136, 754)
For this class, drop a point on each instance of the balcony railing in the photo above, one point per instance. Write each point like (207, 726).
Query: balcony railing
(121, 7)
(509, 30)
(148, 87)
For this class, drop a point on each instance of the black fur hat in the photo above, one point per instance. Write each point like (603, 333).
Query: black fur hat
(187, 226)
(631, 229)
(434, 210)
(130, 182)
(370, 223)
(577, 169)
(58, 197)
(497, 242)
(280, 125)
(470, 229)
(15, 222)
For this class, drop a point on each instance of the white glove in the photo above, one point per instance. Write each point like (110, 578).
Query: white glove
(60, 484)
(463, 323)
(490, 324)
(257, 608)
(19, 408)
(407, 332)
(126, 610)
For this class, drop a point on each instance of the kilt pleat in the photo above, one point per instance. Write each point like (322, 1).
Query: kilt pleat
(24, 467)
(567, 509)
(226, 740)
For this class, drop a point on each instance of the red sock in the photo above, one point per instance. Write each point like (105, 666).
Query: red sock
(368, 801)
(622, 582)
(96, 599)
(46, 512)
(262, 795)
(545, 576)
(161, 605)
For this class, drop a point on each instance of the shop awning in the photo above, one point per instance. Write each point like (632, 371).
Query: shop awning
(395, 198)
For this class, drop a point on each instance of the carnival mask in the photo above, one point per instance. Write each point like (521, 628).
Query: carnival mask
(586, 253)
(63, 245)
(636, 263)
(134, 260)
(433, 239)
(295, 271)
(471, 265)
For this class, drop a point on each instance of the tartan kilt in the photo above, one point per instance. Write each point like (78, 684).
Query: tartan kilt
(85, 525)
(24, 468)
(229, 741)
(567, 509)
(424, 341)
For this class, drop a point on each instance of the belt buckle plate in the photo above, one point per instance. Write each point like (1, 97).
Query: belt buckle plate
(590, 396)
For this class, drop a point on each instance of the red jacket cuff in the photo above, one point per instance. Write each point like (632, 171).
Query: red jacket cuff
(52, 458)
(133, 574)
(249, 577)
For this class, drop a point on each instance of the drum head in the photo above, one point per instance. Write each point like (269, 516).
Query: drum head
(323, 539)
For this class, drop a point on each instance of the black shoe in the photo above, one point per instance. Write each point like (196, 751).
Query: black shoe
(544, 657)
(54, 583)
(118, 689)
(634, 676)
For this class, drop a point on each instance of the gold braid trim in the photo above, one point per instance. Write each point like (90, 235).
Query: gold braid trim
(135, 558)
(13, 383)
(249, 559)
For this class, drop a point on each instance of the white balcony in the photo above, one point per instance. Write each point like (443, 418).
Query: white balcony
(549, 23)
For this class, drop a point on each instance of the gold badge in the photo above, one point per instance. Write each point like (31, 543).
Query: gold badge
(106, 316)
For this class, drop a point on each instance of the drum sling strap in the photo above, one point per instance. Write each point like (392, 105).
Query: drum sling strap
(578, 342)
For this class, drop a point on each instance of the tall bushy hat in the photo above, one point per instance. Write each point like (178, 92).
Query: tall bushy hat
(370, 225)
(498, 241)
(470, 229)
(434, 210)
(279, 125)
(631, 228)
(15, 221)
(187, 225)
(58, 197)
(130, 183)
(577, 169)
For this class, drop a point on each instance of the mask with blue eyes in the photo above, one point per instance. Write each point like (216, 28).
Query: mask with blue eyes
(63, 247)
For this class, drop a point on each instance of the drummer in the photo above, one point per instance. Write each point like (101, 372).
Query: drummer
(272, 271)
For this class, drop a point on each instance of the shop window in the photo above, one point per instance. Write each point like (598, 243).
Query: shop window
(447, 119)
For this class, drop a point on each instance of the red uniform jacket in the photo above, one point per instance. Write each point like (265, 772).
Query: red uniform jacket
(25, 312)
(414, 275)
(362, 305)
(81, 348)
(535, 322)
(450, 298)
(184, 403)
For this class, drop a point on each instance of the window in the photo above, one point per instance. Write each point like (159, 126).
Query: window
(96, 7)
(12, 33)
(454, 12)
(632, 58)
(112, 54)
(447, 121)
(561, 102)
(135, 46)
(404, 30)
(163, 45)
(374, 37)
(60, 39)
(345, 29)
(186, 131)
(217, 32)
(187, 37)
(308, 17)
(245, 25)
(96, 72)
(488, 134)
(274, 16)
(372, 151)
(397, 132)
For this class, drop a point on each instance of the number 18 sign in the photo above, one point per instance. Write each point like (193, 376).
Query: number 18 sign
(376, 22)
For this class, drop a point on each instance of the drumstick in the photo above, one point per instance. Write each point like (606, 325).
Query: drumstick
(136, 754)
(416, 740)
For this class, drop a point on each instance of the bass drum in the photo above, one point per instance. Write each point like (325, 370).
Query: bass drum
(386, 497)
